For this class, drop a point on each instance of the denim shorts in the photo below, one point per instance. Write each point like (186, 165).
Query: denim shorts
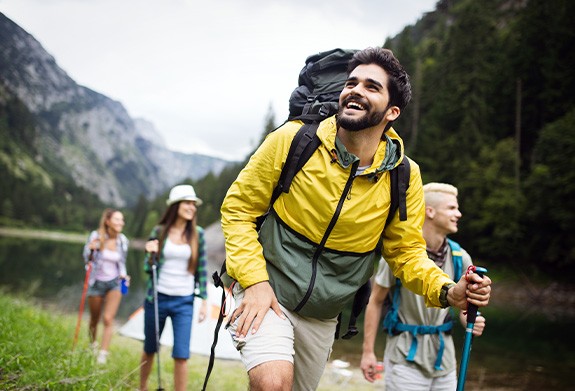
(180, 309)
(100, 288)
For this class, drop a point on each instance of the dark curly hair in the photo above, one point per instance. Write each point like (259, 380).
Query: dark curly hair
(398, 85)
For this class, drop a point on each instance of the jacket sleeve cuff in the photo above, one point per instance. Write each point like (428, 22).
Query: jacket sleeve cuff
(253, 279)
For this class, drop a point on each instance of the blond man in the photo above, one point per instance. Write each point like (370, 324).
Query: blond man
(419, 358)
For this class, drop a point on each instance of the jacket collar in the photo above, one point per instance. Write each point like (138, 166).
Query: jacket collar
(388, 155)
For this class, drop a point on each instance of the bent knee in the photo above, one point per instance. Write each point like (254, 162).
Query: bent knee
(273, 375)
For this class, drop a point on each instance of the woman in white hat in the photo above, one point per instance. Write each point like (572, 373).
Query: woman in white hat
(179, 245)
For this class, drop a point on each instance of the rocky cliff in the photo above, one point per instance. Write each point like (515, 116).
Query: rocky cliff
(83, 134)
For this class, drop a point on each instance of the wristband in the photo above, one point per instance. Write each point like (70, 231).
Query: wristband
(443, 295)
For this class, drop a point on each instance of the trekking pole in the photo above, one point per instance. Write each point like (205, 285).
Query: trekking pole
(83, 299)
(156, 315)
(471, 316)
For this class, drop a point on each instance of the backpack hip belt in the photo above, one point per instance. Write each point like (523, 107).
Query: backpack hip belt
(414, 330)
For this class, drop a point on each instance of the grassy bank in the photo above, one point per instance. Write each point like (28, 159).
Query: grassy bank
(36, 354)
(59, 236)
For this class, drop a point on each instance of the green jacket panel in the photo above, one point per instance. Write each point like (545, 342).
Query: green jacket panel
(291, 269)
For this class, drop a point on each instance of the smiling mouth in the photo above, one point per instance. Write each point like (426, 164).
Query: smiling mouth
(354, 104)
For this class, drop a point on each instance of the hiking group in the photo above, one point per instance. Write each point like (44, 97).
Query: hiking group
(326, 197)
(176, 263)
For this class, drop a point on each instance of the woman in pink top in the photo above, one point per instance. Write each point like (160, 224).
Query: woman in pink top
(107, 249)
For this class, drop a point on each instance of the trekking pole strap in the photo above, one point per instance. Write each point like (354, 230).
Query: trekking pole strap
(218, 283)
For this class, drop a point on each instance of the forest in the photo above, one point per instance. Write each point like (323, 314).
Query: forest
(493, 113)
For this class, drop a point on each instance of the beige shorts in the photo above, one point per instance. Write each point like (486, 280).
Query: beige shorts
(305, 342)
(403, 378)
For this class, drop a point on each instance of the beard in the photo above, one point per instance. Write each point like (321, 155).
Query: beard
(367, 120)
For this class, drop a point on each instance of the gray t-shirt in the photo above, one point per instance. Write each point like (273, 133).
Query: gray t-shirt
(412, 310)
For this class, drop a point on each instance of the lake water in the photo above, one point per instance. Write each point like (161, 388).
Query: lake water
(525, 347)
(54, 272)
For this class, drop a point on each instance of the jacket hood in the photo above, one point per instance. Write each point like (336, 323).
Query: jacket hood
(389, 154)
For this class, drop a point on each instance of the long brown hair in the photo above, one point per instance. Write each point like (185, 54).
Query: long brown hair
(103, 228)
(190, 232)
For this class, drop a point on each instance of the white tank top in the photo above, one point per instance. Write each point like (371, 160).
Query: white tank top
(174, 278)
(108, 265)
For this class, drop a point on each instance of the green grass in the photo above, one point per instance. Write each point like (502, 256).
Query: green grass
(36, 353)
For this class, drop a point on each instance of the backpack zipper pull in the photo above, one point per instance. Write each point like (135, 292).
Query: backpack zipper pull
(333, 156)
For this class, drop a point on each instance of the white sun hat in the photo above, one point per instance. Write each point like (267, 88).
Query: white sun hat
(183, 193)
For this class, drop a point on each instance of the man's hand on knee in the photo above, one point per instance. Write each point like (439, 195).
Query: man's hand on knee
(258, 299)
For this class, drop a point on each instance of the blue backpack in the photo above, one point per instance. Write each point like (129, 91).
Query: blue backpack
(393, 326)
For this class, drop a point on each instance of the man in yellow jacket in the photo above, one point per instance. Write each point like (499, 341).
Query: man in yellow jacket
(321, 240)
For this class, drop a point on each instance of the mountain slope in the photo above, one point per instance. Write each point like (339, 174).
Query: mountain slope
(79, 133)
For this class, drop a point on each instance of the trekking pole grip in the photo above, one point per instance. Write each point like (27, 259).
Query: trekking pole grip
(153, 260)
(472, 308)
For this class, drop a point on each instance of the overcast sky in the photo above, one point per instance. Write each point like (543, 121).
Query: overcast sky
(204, 72)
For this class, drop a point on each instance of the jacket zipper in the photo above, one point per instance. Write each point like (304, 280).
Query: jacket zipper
(330, 227)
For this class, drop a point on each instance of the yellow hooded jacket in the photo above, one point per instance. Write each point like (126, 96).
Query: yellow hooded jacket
(321, 240)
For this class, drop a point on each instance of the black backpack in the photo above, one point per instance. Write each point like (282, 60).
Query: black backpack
(319, 84)
(316, 98)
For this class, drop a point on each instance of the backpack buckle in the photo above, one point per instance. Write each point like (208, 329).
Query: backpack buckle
(217, 280)
(352, 331)
(323, 111)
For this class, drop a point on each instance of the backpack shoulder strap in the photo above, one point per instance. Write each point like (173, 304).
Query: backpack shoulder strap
(303, 145)
(399, 178)
(457, 257)
(392, 317)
